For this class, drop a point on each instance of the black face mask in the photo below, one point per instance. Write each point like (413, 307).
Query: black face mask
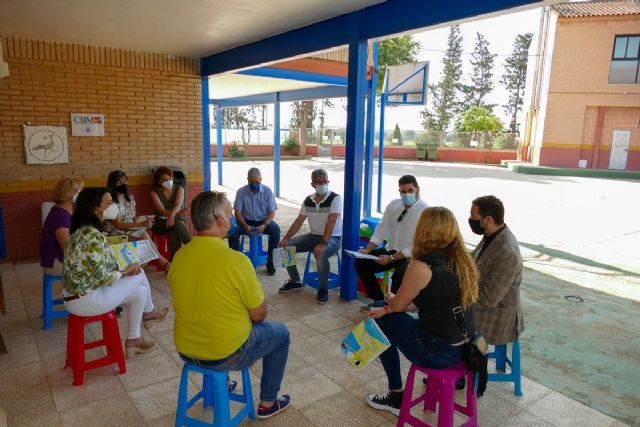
(475, 226)
(123, 189)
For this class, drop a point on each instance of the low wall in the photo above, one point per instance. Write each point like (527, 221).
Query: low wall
(390, 152)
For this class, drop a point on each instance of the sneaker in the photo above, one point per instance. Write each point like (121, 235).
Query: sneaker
(119, 311)
(271, 270)
(231, 386)
(281, 403)
(323, 296)
(366, 308)
(290, 286)
(391, 401)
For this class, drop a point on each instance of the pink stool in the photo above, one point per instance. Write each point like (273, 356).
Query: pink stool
(441, 390)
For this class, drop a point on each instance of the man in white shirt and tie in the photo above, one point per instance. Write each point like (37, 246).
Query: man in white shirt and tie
(396, 228)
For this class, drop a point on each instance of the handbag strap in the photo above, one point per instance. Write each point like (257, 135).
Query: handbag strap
(458, 313)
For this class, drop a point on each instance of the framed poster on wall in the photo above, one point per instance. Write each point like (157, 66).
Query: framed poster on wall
(45, 145)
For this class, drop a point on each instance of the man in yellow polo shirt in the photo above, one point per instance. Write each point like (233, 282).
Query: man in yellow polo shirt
(220, 308)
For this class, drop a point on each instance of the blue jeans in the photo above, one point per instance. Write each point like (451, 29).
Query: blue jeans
(423, 350)
(306, 243)
(268, 341)
(272, 230)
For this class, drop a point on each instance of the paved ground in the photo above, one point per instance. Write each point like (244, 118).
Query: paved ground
(579, 237)
(326, 391)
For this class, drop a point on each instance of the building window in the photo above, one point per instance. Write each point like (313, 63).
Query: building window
(625, 60)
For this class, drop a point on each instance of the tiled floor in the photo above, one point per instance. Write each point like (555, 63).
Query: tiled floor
(326, 391)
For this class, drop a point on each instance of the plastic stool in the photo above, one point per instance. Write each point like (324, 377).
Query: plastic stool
(440, 391)
(215, 393)
(312, 279)
(256, 254)
(48, 303)
(76, 345)
(500, 354)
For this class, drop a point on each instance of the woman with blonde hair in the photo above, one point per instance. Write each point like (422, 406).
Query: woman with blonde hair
(440, 275)
(55, 230)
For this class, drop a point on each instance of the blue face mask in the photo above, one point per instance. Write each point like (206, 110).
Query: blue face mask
(254, 187)
(408, 199)
(322, 189)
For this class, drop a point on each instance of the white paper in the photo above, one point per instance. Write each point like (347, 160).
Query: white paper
(360, 255)
(87, 124)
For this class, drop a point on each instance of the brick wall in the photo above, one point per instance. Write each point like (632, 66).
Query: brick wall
(152, 116)
(579, 85)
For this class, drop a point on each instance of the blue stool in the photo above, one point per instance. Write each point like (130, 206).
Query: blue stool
(500, 354)
(312, 279)
(215, 393)
(48, 303)
(256, 254)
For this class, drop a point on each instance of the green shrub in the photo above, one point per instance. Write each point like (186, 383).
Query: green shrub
(291, 146)
(235, 150)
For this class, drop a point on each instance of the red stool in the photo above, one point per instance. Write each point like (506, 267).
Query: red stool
(440, 391)
(76, 345)
(162, 243)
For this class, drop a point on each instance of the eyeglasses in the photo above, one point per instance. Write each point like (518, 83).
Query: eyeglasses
(404, 212)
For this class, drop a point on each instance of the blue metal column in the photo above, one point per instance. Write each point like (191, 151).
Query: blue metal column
(356, 92)
(276, 148)
(206, 135)
(219, 142)
(383, 103)
(371, 130)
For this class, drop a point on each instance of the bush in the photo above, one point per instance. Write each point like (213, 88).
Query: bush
(235, 151)
(291, 147)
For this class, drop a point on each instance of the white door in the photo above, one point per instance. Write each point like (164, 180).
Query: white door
(619, 149)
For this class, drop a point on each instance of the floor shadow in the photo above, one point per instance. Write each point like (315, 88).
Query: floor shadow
(589, 351)
(556, 253)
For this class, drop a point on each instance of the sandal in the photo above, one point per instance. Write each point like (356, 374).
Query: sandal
(161, 314)
(145, 346)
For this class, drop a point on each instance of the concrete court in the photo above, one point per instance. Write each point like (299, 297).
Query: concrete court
(579, 237)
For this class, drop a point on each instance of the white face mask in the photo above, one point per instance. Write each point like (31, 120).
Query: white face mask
(322, 189)
(111, 212)
(168, 184)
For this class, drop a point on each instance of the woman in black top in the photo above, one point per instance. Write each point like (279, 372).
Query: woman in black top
(440, 273)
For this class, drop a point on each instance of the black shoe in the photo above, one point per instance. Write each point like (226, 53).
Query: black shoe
(271, 270)
(290, 286)
(323, 296)
(366, 308)
(391, 401)
(119, 311)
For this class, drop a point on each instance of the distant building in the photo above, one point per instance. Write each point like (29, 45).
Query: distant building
(584, 91)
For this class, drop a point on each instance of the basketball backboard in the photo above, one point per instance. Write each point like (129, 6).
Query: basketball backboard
(406, 84)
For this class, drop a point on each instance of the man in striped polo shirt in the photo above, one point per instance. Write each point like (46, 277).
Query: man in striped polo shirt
(323, 209)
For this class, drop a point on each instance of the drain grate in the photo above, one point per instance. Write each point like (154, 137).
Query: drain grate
(574, 299)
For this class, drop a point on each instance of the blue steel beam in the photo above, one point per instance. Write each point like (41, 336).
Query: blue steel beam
(380, 20)
(301, 76)
(370, 137)
(320, 92)
(219, 143)
(206, 135)
(276, 148)
(383, 104)
(353, 156)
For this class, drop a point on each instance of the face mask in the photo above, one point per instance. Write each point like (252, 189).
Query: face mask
(111, 212)
(74, 198)
(122, 189)
(322, 189)
(168, 184)
(475, 226)
(254, 187)
(408, 199)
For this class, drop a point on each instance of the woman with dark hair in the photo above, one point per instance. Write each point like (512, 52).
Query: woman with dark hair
(167, 200)
(126, 221)
(55, 230)
(92, 283)
(441, 275)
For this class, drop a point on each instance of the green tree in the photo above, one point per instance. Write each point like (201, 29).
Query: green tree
(445, 94)
(478, 119)
(514, 77)
(397, 135)
(396, 51)
(302, 116)
(244, 118)
(481, 75)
